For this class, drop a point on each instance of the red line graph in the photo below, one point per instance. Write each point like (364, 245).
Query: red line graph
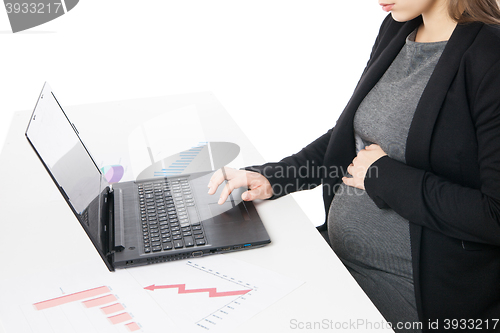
(212, 292)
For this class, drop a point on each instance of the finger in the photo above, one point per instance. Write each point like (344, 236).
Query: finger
(219, 177)
(230, 186)
(255, 193)
(226, 191)
(247, 196)
(353, 183)
(348, 181)
(372, 146)
(349, 168)
(216, 179)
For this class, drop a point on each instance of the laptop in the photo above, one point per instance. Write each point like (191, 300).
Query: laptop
(139, 222)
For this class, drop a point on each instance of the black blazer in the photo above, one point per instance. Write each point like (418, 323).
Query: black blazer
(449, 188)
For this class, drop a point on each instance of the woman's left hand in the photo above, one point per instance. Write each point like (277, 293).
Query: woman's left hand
(360, 164)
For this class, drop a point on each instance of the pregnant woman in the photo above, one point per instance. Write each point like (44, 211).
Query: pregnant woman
(411, 171)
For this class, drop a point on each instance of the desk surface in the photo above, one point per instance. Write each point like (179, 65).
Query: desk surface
(34, 220)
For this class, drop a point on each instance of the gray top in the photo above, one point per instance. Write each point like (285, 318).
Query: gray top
(374, 243)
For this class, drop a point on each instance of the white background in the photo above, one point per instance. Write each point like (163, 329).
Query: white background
(284, 69)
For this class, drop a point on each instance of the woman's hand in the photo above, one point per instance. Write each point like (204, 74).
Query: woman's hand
(258, 185)
(360, 164)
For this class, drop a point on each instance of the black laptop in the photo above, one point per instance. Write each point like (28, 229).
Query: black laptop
(143, 222)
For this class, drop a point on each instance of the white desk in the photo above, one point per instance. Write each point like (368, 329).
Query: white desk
(35, 220)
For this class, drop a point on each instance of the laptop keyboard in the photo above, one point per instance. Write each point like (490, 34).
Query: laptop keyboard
(164, 214)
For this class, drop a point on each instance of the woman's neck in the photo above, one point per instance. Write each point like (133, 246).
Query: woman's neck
(437, 25)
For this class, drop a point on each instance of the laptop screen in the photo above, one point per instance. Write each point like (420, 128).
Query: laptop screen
(64, 155)
(57, 144)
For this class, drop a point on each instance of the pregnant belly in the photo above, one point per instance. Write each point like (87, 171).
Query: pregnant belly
(363, 234)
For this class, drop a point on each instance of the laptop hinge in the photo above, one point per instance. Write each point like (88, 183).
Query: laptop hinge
(108, 214)
(118, 222)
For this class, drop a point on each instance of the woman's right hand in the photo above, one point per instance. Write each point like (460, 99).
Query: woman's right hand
(258, 185)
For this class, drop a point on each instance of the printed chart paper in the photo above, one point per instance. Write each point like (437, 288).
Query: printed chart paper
(213, 294)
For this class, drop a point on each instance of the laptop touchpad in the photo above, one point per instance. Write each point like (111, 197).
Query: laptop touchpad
(228, 212)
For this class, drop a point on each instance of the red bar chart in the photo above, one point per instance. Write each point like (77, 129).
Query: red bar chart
(99, 301)
(71, 298)
(91, 298)
(112, 308)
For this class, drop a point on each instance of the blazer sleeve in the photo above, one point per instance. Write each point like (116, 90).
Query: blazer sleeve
(296, 172)
(430, 201)
(305, 170)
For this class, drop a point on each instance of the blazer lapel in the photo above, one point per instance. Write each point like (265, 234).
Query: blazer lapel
(422, 126)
